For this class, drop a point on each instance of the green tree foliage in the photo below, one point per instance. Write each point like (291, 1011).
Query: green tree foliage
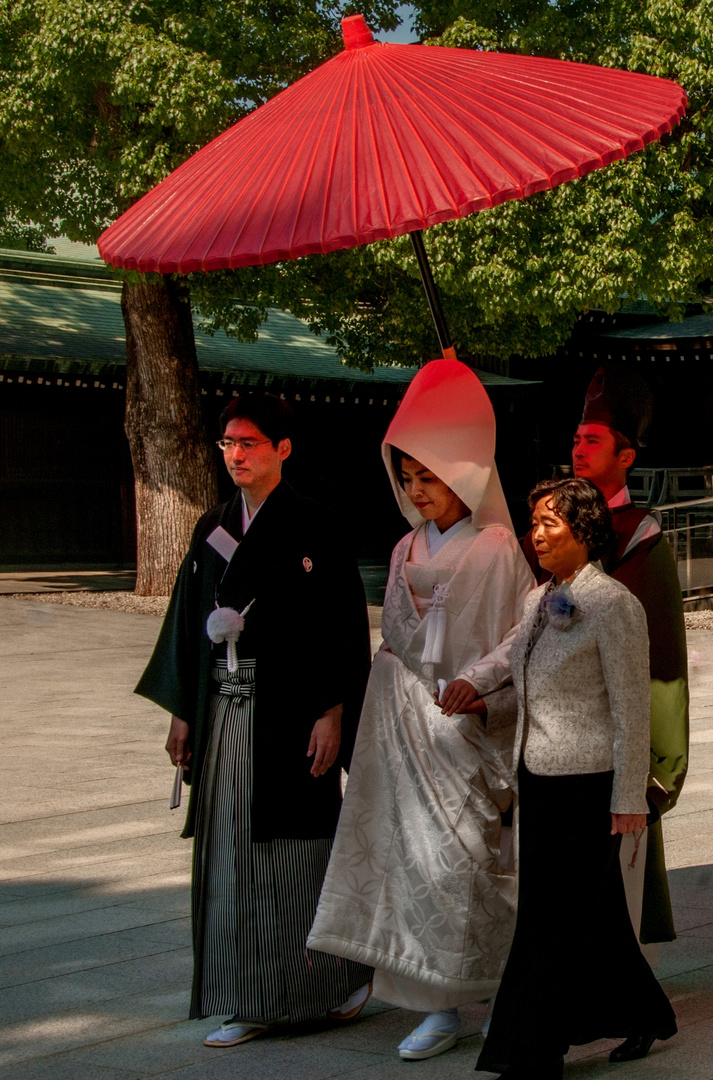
(642, 226)
(18, 236)
(100, 101)
(514, 279)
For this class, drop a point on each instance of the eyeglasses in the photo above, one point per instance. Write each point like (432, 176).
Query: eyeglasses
(246, 445)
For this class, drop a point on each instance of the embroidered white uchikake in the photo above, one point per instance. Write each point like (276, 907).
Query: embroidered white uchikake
(435, 627)
(227, 624)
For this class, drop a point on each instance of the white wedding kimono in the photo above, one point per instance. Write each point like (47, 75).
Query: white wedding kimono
(414, 886)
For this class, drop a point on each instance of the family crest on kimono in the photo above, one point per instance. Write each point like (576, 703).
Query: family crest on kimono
(415, 886)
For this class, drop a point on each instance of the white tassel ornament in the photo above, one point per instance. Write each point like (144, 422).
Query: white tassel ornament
(435, 627)
(227, 624)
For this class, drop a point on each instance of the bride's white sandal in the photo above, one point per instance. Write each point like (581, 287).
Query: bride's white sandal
(437, 1033)
(233, 1032)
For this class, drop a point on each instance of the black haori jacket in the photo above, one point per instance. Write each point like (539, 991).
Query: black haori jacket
(308, 632)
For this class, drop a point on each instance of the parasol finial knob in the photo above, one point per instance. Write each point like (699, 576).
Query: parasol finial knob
(356, 33)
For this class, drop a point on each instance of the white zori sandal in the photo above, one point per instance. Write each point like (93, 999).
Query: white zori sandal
(234, 1031)
(437, 1033)
(353, 1005)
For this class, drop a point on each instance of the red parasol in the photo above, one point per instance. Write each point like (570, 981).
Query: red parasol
(382, 140)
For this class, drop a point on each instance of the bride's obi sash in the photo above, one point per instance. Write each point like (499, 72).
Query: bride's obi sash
(443, 614)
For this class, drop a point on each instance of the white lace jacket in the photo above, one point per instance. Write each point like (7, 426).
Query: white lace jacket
(584, 696)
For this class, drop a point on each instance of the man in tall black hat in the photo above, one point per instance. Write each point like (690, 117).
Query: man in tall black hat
(618, 410)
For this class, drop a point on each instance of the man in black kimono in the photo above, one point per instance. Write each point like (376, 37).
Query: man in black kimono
(261, 725)
(617, 412)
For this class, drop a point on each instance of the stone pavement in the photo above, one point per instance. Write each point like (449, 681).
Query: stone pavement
(94, 950)
(52, 580)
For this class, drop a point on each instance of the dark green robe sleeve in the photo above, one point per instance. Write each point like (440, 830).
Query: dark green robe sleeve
(177, 675)
(170, 676)
(650, 573)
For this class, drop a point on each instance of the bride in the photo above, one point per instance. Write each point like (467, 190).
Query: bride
(415, 886)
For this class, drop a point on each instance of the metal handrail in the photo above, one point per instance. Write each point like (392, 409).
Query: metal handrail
(660, 478)
(686, 509)
(685, 504)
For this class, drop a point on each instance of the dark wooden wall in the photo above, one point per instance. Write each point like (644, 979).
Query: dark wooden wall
(66, 484)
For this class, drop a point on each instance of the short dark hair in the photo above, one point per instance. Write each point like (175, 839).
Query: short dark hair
(270, 415)
(397, 463)
(397, 457)
(621, 442)
(582, 506)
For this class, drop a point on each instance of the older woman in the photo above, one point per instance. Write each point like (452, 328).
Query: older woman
(580, 667)
(414, 886)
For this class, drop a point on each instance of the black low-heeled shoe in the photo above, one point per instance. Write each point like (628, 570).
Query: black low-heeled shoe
(638, 1046)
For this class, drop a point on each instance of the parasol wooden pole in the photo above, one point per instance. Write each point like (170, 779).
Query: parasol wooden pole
(434, 300)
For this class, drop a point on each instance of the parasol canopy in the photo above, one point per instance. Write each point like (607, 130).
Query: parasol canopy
(385, 139)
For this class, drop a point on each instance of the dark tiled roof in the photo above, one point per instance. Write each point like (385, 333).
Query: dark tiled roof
(63, 313)
(695, 326)
(39, 321)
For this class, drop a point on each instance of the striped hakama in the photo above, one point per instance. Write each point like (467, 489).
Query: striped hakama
(253, 904)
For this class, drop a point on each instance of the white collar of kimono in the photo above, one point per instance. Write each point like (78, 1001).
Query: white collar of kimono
(446, 422)
(247, 520)
(436, 539)
(622, 498)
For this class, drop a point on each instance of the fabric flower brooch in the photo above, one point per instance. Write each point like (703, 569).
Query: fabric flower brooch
(560, 608)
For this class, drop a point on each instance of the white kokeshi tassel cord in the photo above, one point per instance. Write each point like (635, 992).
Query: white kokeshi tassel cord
(435, 627)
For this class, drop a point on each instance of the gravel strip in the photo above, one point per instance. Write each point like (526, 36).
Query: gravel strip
(699, 620)
(110, 601)
(156, 605)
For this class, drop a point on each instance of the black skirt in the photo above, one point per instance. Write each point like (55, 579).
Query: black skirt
(575, 972)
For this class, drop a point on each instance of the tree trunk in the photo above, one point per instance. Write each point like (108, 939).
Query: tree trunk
(174, 467)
